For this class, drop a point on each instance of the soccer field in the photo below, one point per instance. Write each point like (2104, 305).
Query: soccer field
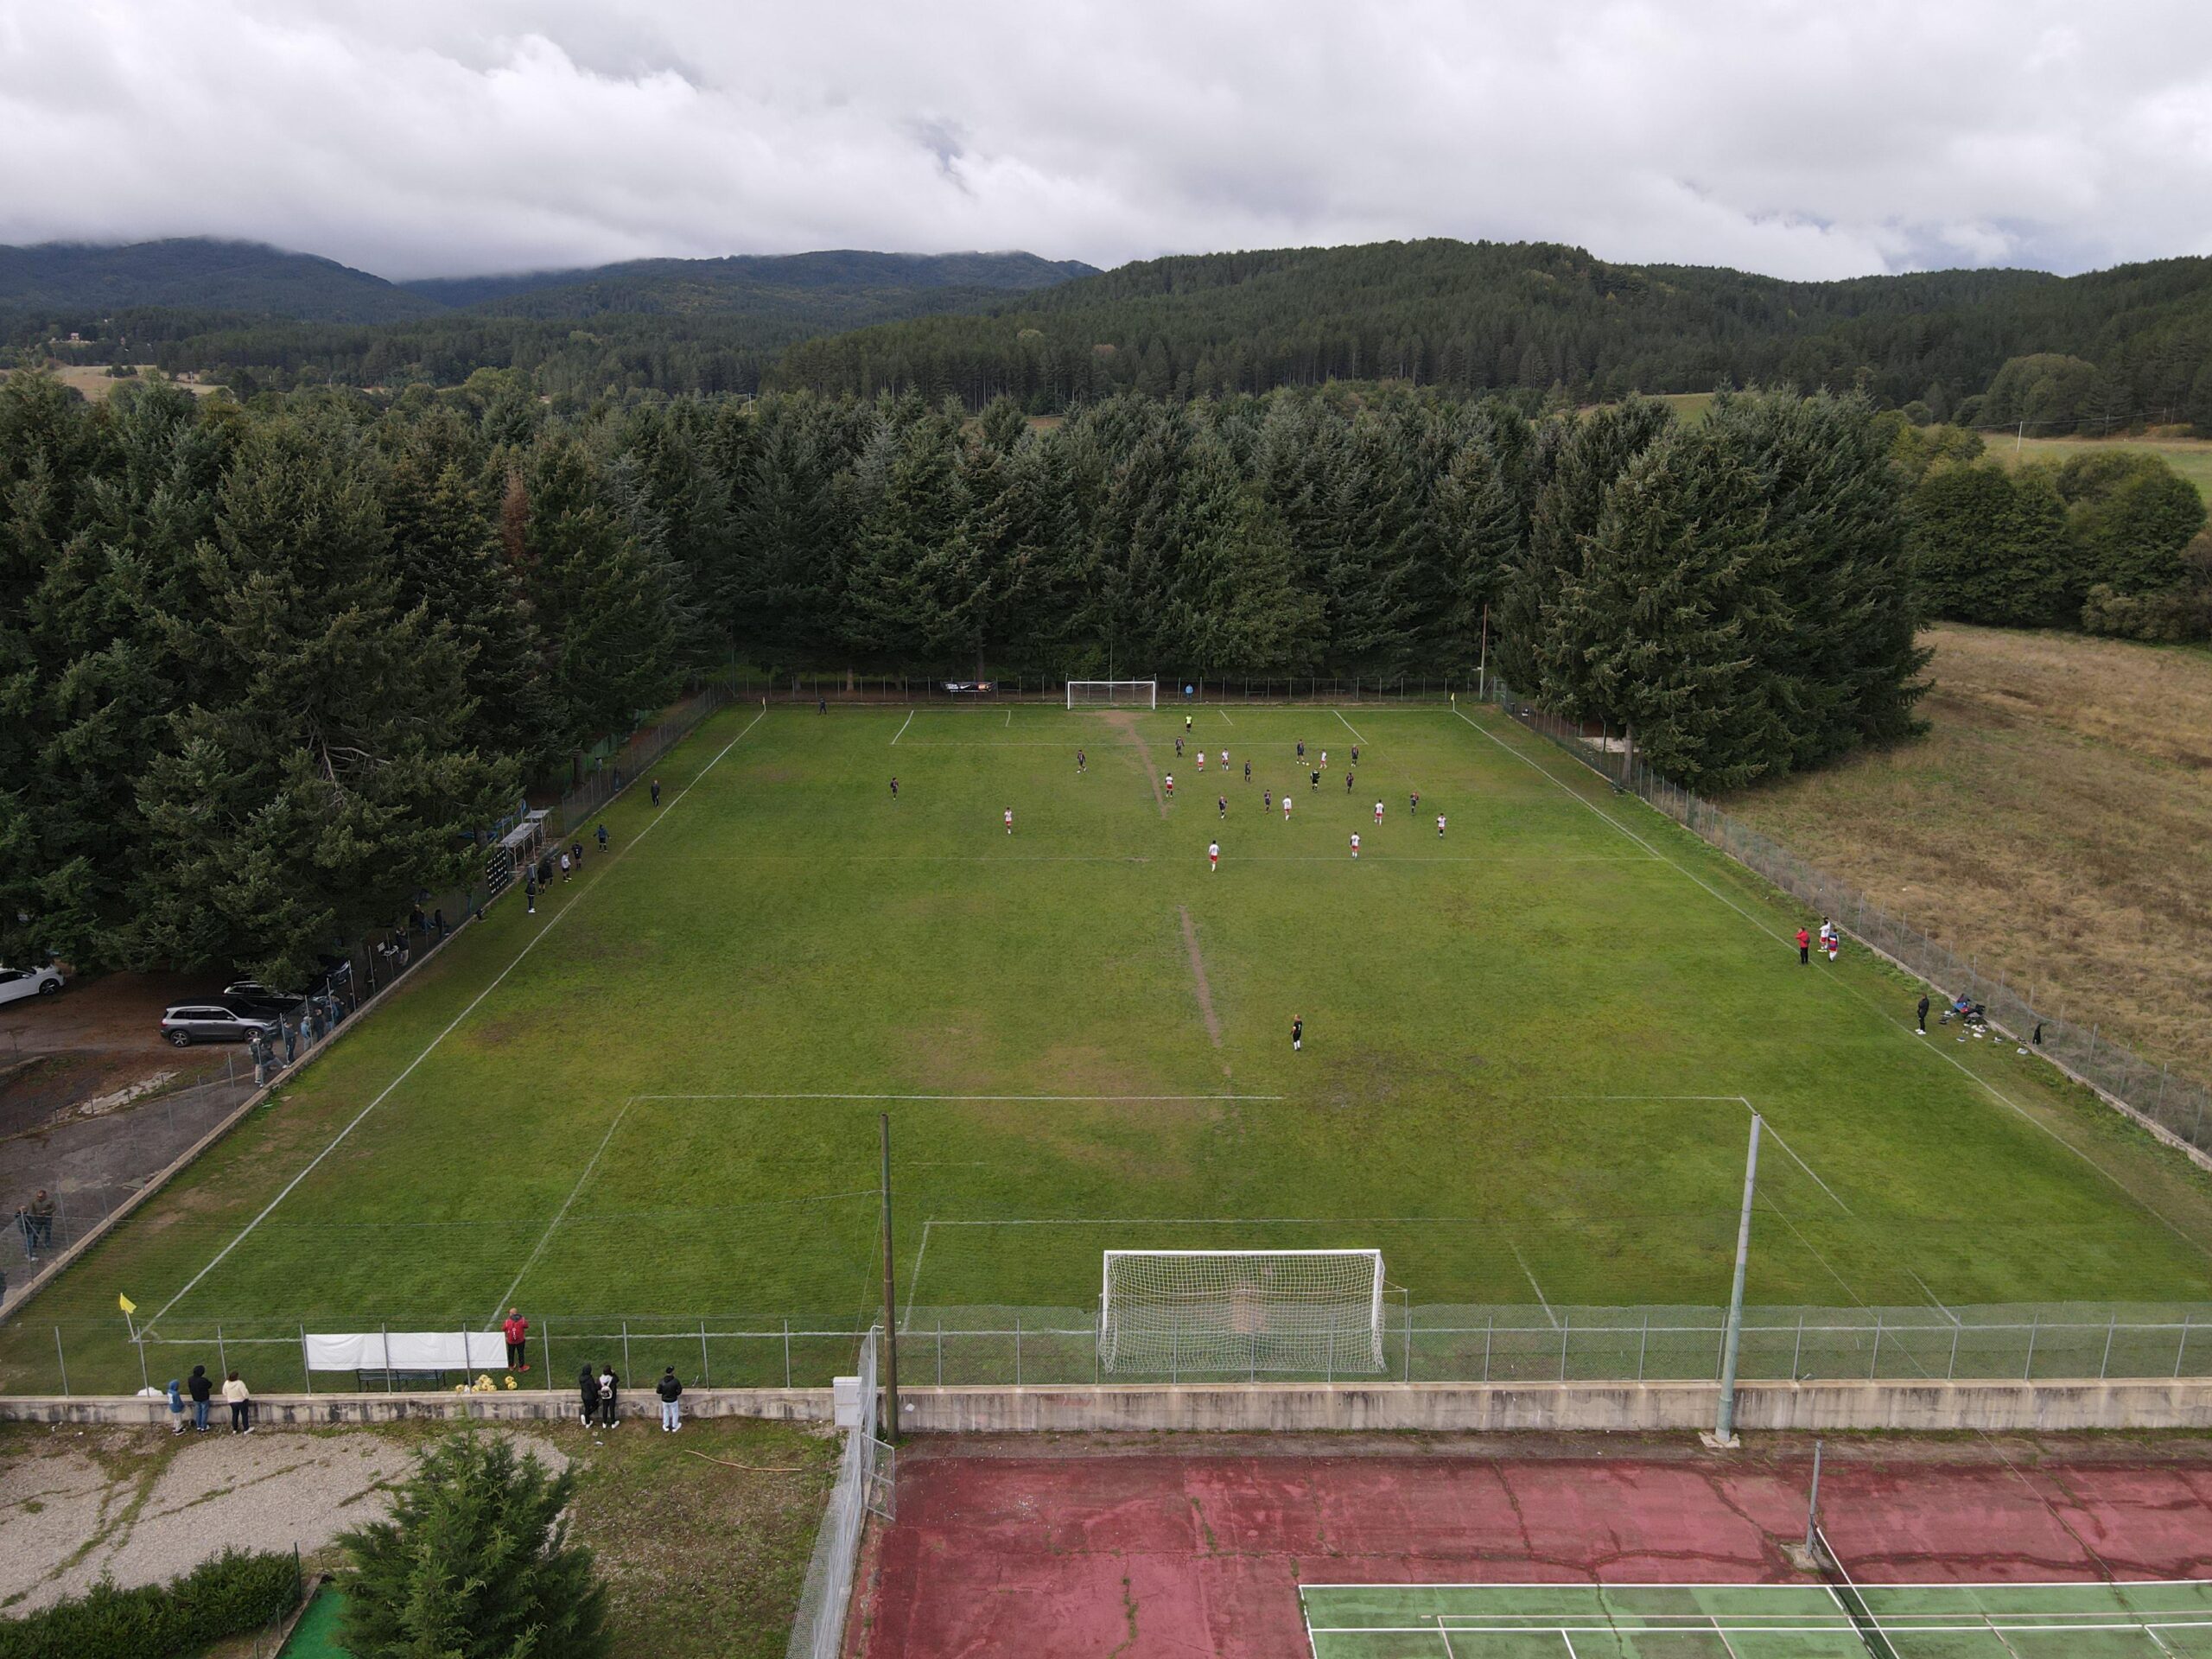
(1531, 1049)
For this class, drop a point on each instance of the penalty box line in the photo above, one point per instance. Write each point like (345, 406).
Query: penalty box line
(529, 945)
(562, 1214)
(1846, 988)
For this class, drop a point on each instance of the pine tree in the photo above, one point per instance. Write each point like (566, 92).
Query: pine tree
(475, 1562)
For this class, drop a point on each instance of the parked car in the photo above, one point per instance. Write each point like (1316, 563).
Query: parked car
(211, 1022)
(18, 983)
(252, 996)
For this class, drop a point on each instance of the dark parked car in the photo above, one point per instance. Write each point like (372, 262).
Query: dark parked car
(211, 1022)
(252, 996)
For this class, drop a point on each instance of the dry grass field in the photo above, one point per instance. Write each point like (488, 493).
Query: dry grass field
(94, 380)
(2190, 457)
(2057, 821)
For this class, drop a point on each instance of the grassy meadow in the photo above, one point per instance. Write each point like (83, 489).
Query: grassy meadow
(1531, 1047)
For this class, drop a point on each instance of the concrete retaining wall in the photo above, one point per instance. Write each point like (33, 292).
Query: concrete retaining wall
(1300, 1407)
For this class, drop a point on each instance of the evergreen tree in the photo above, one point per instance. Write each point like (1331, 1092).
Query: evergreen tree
(1993, 547)
(475, 1562)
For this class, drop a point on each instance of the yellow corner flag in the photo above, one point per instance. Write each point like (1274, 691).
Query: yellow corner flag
(125, 1303)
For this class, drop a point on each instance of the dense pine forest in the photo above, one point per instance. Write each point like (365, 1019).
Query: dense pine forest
(262, 668)
(2093, 353)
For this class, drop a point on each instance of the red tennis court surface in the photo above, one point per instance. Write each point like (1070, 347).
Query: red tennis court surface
(1034, 1545)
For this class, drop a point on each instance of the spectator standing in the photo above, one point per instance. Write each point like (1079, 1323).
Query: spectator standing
(438, 920)
(566, 873)
(656, 792)
(40, 1233)
(291, 1039)
(258, 1047)
(588, 1392)
(177, 1407)
(608, 1385)
(241, 1404)
(517, 1332)
(670, 1391)
(1804, 948)
(602, 838)
(201, 1390)
(1920, 1015)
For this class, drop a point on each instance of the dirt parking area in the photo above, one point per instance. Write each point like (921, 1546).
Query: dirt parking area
(98, 1037)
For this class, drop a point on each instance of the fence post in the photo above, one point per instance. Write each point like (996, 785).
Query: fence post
(2105, 1364)
(1797, 1352)
(222, 1359)
(306, 1369)
(384, 1336)
(2034, 1328)
(2183, 1349)
(1017, 1351)
(706, 1366)
(1643, 1342)
(1409, 1340)
(1490, 1323)
(1565, 1326)
(1875, 1364)
(62, 1360)
(625, 1354)
(1951, 1374)
(787, 1352)
(545, 1347)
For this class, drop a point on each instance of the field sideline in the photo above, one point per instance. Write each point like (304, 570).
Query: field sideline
(1531, 1047)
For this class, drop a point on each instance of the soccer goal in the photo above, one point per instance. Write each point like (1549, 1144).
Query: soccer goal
(1113, 694)
(1170, 1311)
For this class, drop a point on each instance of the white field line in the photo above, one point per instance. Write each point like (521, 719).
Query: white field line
(560, 1215)
(529, 945)
(1533, 1285)
(1041, 1099)
(901, 732)
(1848, 989)
(1928, 1291)
(1220, 1220)
(1799, 1162)
(1349, 726)
(1223, 713)
(914, 1284)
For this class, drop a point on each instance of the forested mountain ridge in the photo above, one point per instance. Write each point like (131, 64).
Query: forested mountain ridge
(66, 280)
(1474, 316)
(743, 282)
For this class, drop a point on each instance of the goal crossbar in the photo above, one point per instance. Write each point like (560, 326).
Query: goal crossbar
(1305, 1311)
(1113, 694)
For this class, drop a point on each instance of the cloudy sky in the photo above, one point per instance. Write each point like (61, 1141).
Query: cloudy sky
(1800, 137)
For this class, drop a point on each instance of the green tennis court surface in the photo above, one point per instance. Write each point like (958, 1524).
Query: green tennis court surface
(1759, 1621)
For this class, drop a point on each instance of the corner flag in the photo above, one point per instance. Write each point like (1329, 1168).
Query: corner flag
(125, 1303)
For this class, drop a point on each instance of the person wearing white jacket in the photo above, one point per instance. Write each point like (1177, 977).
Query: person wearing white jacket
(241, 1404)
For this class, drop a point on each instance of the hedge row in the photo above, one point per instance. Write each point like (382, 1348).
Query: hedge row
(233, 1593)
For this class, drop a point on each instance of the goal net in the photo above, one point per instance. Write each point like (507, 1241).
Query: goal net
(1177, 1310)
(1113, 694)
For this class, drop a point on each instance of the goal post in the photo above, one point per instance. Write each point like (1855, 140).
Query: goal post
(1113, 694)
(1170, 1311)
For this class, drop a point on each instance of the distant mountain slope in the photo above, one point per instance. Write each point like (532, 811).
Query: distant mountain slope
(67, 279)
(1479, 316)
(745, 283)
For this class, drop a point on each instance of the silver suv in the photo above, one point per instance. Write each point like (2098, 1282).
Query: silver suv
(210, 1022)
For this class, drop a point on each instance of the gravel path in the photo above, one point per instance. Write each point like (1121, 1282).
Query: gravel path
(77, 1504)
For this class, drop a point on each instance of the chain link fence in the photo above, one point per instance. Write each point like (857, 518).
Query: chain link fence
(616, 766)
(863, 1479)
(2178, 1106)
(1019, 1347)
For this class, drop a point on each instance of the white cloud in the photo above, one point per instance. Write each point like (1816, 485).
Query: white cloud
(418, 137)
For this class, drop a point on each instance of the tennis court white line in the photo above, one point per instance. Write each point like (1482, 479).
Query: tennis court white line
(901, 732)
(1349, 726)
(560, 1215)
(1046, 1099)
(530, 945)
(1530, 1273)
(1847, 988)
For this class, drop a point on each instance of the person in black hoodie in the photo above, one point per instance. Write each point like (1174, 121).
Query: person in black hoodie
(670, 1391)
(587, 1387)
(201, 1390)
(607, 1384)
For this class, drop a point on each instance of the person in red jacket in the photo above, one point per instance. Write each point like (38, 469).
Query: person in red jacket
(1804, 947)
(517, 1330)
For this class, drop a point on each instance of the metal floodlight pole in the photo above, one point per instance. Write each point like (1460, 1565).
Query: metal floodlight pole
(1725, 1422)
(890, 1308)
(1813, 1507)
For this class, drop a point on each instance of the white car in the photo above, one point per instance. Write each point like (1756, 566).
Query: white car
(17, 983)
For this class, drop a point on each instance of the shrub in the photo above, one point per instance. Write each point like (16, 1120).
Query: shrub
(232, 1593)
(474, 1563)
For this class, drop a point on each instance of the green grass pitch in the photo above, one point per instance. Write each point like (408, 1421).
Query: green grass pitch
(1530, 1046)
